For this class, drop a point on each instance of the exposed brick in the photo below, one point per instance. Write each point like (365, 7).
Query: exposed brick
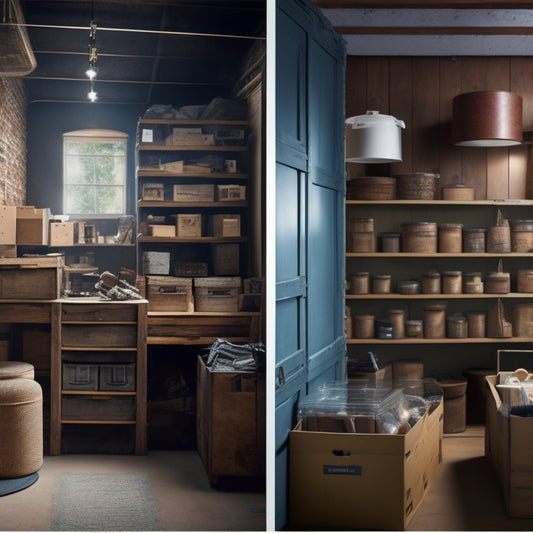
(12, 142)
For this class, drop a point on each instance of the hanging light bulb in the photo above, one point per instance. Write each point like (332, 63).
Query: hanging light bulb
(92, 71)
(92, 95)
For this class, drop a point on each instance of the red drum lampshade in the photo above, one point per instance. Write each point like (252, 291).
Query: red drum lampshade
(487, 118)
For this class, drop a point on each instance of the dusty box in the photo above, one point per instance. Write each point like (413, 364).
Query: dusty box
(38, 278)
(8, 224)
(230, 422)
(156, 263)
(374, 481)
(154, 191)
(115, 377)
(508, 441)
(161, 230)
(61, 233)
(199, 192)
(169, 293)
(382, 377)
(189, 225)
(78, 376)
(190, 268)
(217, 294)
(231, 193)
(226, 225)
(225, 259)
(32, 225)
(186, 137)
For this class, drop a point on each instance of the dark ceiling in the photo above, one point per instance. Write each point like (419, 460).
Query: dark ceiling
(152, 51)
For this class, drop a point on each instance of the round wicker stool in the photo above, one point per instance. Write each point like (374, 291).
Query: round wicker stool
(16, 369)
(21, 427)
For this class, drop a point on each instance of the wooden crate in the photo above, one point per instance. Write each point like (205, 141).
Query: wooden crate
(189, 225)
(98, 407)
(225, 259)
(8, 224)
(202, 192)
(231, 193)
(32, 225)
(230, 422)
(217, 294)
(226, 225)
(169, 293)
(116, 377)
(62, 233)
(37, 278)
(161, 230)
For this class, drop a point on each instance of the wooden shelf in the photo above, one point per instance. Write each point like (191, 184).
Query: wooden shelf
(462, 203)
(201, 148)
(147, 173)
(190, 240)
(469, 340)
(405, 255)
(111, 422)
(189, 205)
(185, 121)
(97, 393)
(439, 296)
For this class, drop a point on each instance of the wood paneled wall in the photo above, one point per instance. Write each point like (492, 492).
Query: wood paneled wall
(420, 91)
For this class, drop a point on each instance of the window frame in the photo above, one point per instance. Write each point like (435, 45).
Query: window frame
(95, 135)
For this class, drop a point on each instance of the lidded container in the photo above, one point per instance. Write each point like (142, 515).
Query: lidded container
(416, 186)
(522, 236)
(452, 282)
(390, 241)
(373, 138)
(474, 240)
(360, 283)
(381, 284)
(435, 321)
(431, 282)
(450, 238)
(419, 237)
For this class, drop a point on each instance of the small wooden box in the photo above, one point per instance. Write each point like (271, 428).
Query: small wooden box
(202, 192)
(189, 225)
(61, 233)
(226, 225)
(217, 294)
(225, 259)
(77, 376)
(162, 230)
(231, 193)
(154, 192)
(233, 400)
(116, 377)
(169, 293)
(97, 407)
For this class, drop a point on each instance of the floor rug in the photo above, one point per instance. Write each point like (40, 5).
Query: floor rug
(8, 486)
(104, 502)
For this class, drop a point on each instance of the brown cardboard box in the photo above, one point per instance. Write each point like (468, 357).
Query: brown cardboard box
(8, 224)
(226, 225)
(231, 193)
(162, 230)
(225, 259)
(189, 225)
(508, 441)
(61, 233)
(376, 481)
(32, 225)
(203, 192)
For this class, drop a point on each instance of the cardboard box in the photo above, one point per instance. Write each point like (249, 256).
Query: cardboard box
(8, 224)
(508, 441)
(189, 225)
(186, 137)
(169, 293)
(226, 225)
(61, 233)
(225, 259)
(200, 192)
(231, 193)
(374, 481)
(156, 263)
(153, 192)
(32, 225)
(161, 230)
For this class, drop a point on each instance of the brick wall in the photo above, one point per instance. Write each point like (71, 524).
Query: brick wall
(12, 142)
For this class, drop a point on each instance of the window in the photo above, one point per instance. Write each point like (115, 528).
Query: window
(94, 172)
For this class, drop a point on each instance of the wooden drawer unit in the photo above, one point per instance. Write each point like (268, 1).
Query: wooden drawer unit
(99, 367)
(98, 407)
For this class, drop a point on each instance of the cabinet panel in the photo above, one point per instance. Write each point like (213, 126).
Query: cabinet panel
(99, 335)
(99, 313)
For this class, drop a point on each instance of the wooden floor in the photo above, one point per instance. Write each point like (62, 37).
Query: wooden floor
(466, 495)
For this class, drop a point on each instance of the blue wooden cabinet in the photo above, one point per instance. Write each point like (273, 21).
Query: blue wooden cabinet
(310, 192)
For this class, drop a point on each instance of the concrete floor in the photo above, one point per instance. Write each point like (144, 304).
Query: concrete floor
(185, 501)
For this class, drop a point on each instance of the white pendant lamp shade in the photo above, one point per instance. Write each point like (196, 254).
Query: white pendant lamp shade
(373, 138)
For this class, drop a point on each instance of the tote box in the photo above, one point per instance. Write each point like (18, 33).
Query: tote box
(362, 480)
(508, 441)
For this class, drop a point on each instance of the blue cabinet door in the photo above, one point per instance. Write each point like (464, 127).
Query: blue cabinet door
(310, 184)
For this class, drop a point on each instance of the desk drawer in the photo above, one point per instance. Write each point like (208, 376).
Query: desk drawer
(98, 407)
(29, 283)
(104, 312)
(99, 335)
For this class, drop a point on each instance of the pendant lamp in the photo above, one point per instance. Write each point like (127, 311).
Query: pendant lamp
(373, 138)
(487, 118)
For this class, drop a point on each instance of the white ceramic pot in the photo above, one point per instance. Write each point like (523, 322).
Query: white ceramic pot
(373, 138)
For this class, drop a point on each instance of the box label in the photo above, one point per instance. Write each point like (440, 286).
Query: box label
(342, 470)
